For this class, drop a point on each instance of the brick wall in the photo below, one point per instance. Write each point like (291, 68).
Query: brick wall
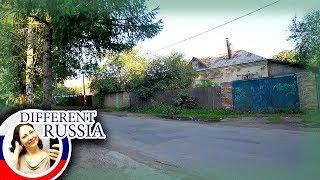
(226, 95)
(278, 69)
(308, 96)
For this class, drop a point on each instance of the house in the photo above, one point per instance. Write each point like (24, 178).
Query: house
(239, 65)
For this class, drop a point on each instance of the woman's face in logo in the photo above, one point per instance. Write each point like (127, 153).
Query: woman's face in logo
(28, 137)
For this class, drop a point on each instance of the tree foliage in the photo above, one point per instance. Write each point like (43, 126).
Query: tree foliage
(104, 86)
(12, 56)
(184, 101)
(119, 73)
(289, 56)
(77, 33)
(165, 73)
(62, 90)
(126, 67)
(305, 33)
(130, 71)
(205, 83)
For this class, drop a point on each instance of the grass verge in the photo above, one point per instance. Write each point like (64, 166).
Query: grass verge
(311, 117)
(275, 118)
(172, 112)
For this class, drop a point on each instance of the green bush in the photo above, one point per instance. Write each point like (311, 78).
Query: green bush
(144, 93)
(184, 101)
(161, 109)
(165, 73)
(104, 86)
(205, 83)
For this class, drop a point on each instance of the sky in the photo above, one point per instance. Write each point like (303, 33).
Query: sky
(264, 33)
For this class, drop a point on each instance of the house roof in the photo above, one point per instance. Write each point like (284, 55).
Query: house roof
(238, 57)
(203, 61)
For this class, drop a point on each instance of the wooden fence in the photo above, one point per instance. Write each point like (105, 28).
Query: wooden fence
(299, 91)
(207, 98)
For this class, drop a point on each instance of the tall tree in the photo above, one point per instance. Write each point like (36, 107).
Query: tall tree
(30, 62)
(85, 30)
(305, 33)
(20, 52)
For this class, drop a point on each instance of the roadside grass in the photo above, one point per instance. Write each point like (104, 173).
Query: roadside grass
(173, 112)
(275, 118)
(205, 114)
(311, 117)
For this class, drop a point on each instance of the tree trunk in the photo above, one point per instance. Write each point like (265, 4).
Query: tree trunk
(47, 68)
(29, 64)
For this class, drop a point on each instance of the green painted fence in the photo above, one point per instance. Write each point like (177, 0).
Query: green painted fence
(266, 94)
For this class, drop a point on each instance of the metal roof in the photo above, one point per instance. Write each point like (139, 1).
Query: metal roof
(238, 57)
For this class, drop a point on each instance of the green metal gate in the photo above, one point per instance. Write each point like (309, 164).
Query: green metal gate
(266, 94)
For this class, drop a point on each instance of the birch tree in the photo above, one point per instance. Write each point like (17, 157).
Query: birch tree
(29, 63)
(84, 30)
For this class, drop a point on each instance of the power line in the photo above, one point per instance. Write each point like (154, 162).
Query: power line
(228, 22)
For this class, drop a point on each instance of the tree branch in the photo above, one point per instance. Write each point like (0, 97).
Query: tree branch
(39, 19)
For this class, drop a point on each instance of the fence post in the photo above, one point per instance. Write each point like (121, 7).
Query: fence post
(226, 95)
(308, 93)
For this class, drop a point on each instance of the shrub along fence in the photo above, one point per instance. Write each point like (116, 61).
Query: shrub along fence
(73, 100)
(294, 92)
(206, 98)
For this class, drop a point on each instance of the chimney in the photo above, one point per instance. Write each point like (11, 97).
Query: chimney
(229, 47)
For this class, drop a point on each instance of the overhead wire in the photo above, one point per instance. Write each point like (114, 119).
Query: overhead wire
(216, 27)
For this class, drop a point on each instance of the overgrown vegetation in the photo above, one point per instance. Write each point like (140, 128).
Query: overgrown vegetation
(184, 101)
(163, 110)
(170, 111)
(165, 73)
(119, 73)
(205, 83)
(130, 71)
(275, 118)
(306, 36)
(311, 117)
(289, 56)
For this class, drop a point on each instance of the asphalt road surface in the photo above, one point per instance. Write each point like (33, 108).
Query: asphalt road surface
(153, 148)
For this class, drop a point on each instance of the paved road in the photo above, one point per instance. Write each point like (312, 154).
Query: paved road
(212, 151)
(220, 151)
